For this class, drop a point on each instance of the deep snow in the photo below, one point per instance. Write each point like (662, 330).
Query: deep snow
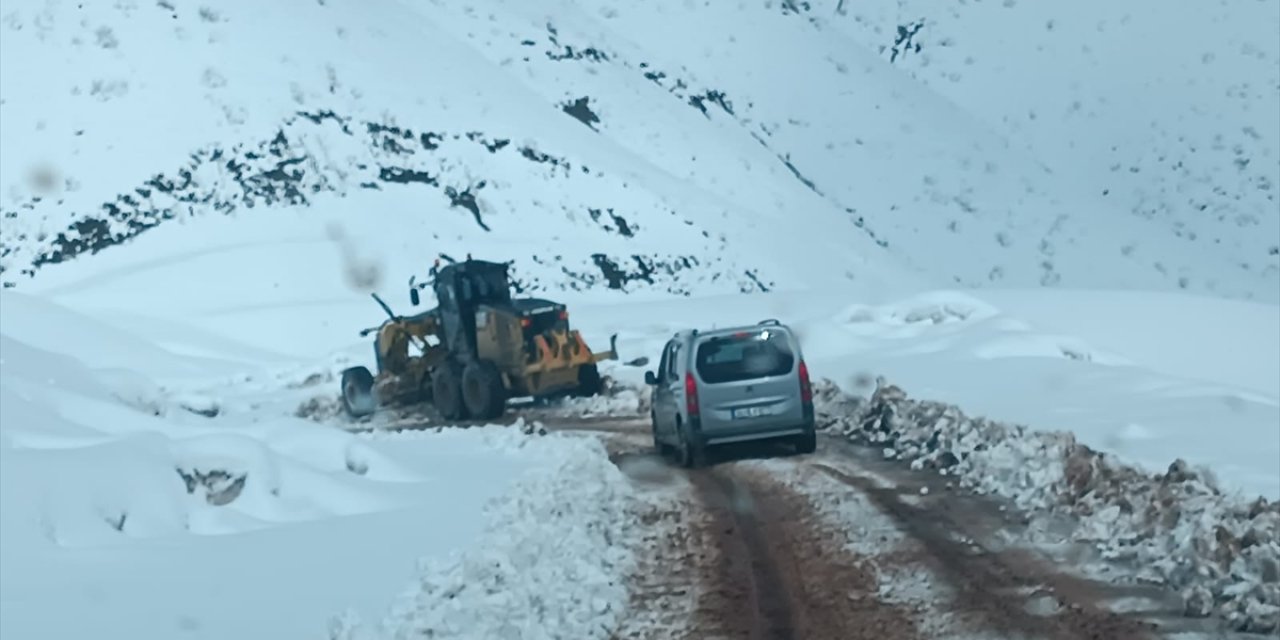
(661, 147)
(1147, 405)
(206, 195)
(1178, 528)
(124, 502)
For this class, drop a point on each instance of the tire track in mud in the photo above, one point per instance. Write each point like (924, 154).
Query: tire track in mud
(779, 574)
(747, 579)
(768, 564)
(733, 554)
(988, 584)
(737, 552)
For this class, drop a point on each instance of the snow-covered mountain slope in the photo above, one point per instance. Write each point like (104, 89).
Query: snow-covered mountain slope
(664, 147)
(377, 108)
(1172, 113)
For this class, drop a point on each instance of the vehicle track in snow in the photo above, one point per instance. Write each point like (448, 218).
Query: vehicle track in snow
(742, 557)
(755, 547)
(780, 575)
(759, 555)
(1010, 592)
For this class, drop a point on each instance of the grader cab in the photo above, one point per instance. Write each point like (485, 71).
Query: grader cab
(475, 350)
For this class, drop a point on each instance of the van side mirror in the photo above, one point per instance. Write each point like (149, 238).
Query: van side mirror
(413, 296)
(649, 378)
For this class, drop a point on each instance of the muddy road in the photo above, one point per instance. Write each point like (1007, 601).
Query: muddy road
(765, 545)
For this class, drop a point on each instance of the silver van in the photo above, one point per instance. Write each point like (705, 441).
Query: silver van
(731, 385)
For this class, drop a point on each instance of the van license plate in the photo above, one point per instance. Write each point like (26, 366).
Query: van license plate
(749, 412)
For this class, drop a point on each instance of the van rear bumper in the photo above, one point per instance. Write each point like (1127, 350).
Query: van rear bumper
(732, 434)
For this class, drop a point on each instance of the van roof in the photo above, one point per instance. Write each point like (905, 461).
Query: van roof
(723, 331)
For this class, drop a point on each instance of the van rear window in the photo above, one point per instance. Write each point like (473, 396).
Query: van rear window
(744, 356)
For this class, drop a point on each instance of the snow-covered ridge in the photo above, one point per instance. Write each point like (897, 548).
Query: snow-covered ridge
(707, 129)
(1170, 112)
(325, 155)
(1178, 528)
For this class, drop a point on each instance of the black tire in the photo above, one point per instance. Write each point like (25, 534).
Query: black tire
(446, 391)
(482, 390)
(807, 442)
(689, 453)
(658, 447)
(589, 381)
(357, 392)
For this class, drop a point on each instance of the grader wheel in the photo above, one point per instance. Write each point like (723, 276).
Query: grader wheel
(357, 392)
(446, 391)
(589, 381)
(482, 390)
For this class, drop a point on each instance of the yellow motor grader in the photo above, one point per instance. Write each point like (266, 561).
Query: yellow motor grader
(476, 349)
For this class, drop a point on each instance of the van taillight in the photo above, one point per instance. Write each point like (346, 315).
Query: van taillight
(690, 394)
(806, 391)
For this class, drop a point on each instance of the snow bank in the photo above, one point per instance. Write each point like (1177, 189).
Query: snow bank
(1177, 528)
(616, 399)
(549, 563)
(1135, 374)
(178, 498)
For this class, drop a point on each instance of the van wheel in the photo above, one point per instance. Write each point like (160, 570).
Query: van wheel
(653, 430)
(689, 454)
(807, 442)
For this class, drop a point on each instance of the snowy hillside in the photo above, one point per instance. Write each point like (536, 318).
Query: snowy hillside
(669, 148)
(1060, 221)
(1170, 113)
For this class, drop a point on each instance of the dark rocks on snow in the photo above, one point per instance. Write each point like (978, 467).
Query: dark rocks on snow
(405, 176)
(581, 110)
(621, 226)
(467, 200)
(283, 170)
(220, 487)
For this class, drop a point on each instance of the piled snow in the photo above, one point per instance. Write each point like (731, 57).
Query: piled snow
(180, 503)
(1138, 375)
(616, 399)
(1177, 528)
(890, 554)
(549, 563)
(1140, 378)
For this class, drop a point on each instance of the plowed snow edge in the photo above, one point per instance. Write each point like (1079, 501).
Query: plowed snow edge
(550, 563)
(1177, 529)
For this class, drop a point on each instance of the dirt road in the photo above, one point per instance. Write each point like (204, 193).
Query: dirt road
(841, 545)
(763, 545)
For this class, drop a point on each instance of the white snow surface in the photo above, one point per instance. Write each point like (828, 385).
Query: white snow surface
(1211, 395)
(1177, 528)
(550, 563)
(124, 502)
(197, 201)
(721, 147)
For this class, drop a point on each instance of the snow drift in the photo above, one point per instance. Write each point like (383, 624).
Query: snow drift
(178, 498)
(1177, 528)
(549, 563)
